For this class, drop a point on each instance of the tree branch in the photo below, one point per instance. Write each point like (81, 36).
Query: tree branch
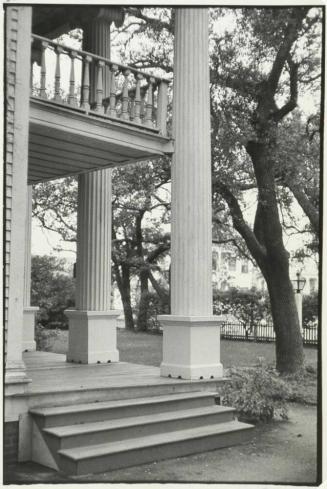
(291, 32)
(256, 249)
(292, 103)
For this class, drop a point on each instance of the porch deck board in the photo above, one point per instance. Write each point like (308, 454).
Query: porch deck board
(50, 372)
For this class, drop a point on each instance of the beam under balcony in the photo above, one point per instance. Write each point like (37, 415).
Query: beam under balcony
(65, 142)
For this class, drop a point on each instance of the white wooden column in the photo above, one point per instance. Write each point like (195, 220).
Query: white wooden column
(18, 31)
(93, 325)
(29, 312)
(191, 336)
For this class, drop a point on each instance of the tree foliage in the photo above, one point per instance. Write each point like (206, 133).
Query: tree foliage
(52, 290)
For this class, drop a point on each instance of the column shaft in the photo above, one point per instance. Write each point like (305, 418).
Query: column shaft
(92, 327)
(29, 312)
(28, 244)
(93, 270)
(191, 288)
(191, 336)
(96, 40)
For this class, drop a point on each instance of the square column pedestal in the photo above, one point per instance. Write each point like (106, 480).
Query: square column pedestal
(92, 336)
(29, 314)
(191, 347)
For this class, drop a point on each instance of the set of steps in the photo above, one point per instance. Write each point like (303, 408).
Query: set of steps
(102, 436)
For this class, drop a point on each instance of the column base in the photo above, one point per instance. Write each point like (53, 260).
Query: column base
(191, 347)
(29, 314)
(92, 336)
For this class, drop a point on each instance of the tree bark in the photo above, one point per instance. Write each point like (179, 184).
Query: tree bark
(124, 286)
(289, 344)
(144, 301)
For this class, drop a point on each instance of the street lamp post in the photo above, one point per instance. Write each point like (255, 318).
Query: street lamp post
(298, 285)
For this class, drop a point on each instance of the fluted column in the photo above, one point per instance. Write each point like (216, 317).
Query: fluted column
(92, 327)
(96, 39)
(191, 333)
(191, 292)
(29, 312)
(93, 267)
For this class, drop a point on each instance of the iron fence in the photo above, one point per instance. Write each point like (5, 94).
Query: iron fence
(261, 333)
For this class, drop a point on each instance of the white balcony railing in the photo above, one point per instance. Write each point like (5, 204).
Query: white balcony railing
(98, 86)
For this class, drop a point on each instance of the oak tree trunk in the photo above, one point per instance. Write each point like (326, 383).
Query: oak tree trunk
(124, 286)
(142, 323)
(275, 266)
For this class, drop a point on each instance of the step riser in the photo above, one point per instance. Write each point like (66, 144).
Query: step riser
(122, 412)
(140, 431)
(151, 454)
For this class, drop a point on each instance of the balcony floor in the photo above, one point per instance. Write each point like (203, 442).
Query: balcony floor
(66, 141)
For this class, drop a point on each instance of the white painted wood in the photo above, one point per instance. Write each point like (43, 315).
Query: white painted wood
(162, 108)
(124, 111)
(28, 243)
(92, 328)
(149, 104)
(86, 83)
(92, 336)
(71, 97)
(93, 266)
(29, 312)
(191, 335)
(57, 131)
(15, 375)
(191, 290)
(29, 315)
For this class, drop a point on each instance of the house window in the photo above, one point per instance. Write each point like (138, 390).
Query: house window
(245, 267)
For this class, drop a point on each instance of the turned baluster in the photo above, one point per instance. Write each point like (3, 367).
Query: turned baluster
(149, 104)
(137, 111)
(132, 107)
(112, 103)
(162, 107)
(99, 90)
(86, 83)
(57, 94)
(125, 98)
(71, 95)
(44, 46)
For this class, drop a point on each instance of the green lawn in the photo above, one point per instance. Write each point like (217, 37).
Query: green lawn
(146, 349)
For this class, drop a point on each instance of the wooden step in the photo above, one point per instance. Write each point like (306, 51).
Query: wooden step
(109, 456)
(100, 411)
(83, 434)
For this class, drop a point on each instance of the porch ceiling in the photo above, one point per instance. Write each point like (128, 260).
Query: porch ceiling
(65, 141)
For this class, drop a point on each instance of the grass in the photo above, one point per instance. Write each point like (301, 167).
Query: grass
(146, 349)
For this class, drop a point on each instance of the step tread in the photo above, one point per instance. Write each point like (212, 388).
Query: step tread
(93, 451)
(81, 428)
(94, 406)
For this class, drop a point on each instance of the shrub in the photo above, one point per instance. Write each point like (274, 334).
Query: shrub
(43, 337)
(53, 290)
(258, 394)
(310, 309)
(246, 305)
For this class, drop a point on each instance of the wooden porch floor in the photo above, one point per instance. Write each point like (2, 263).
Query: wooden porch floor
(49, 372)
